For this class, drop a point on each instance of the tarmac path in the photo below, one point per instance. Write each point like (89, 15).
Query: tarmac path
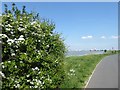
(105, 74)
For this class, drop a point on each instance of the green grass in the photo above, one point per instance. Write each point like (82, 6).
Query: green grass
(79, 68)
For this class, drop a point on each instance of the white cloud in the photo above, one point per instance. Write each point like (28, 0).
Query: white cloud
(103, 37)
(115, 37)
(83, 37)
(87, 37)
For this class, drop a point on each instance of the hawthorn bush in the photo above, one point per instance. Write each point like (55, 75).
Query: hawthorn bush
(32, 54)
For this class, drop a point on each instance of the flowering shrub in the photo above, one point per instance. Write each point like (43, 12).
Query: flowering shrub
(32, 55)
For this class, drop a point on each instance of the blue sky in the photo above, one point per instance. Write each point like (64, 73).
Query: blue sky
(83, 26)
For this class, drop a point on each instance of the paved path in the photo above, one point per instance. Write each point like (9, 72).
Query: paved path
(106, 74)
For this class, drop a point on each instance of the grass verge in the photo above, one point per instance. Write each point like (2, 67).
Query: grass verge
(79, 68)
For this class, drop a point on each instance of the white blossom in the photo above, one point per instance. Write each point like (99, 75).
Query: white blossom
(13, 54)
(43, 35)
(12, 79)
(72, 70)
(3, 35)
(28, 80)
(10, 40)
(16, 46)
(43, 83)
(8, 15)
(38, 51)
(36, 68)
(6, 22)
(16, 81)
(72, 74)
(11, 32)
(33, 22)
(39, 81)
(49, 80)
(35, 80)
(35, 86)
(15, 86)
(31, 82)
(56, 61)
(15, 66)
(21, 38)
(37, 56)
(42, 77)
(21, 61)
(39, 40)
(38, 25)
(28, 75)
(17, 42)
(2, 74)
(11, 20)
(7, 29)
(18, 85)
(39, 72)
(9, 25)
(16, 21)
(9, 61)
(2, 63)
(21, 22)
(9, 43)
(21, 29)
(50, 34)
(20, 18)
(68, 73)
(3, 66)
(34, 33)
(33, 69)
(16, 50)
(47, 45)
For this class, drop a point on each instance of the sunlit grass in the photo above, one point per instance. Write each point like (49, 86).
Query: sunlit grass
(79, 68)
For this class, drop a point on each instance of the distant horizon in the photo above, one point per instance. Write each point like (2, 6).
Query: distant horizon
(83, 25)
(93, 50)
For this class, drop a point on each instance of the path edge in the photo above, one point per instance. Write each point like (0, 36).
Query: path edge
(93, 73)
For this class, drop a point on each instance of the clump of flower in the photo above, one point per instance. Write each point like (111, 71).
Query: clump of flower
(72, 72)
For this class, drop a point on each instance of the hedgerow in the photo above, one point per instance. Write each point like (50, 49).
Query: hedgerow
(32, 53)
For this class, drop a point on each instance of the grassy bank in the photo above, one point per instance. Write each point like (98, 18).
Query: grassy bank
(79, 68)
